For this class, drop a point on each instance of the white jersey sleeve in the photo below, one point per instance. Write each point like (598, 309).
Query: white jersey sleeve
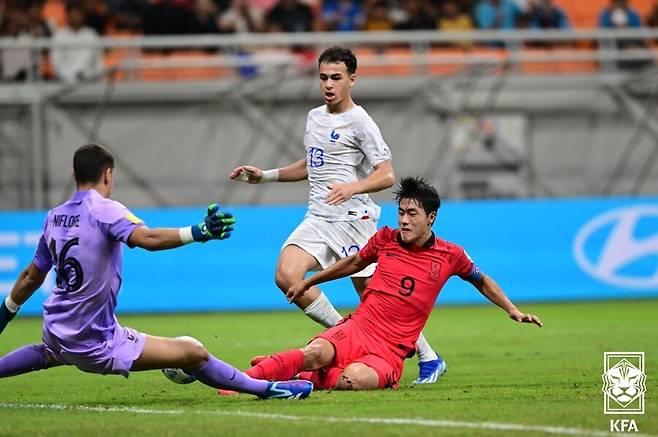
(372, 143)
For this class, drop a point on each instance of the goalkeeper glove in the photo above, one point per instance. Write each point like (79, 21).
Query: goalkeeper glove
(217, 225)
(5, 315)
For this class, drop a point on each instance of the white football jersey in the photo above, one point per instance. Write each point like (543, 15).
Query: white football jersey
(341, 148)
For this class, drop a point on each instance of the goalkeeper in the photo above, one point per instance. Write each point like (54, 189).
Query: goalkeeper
(81, 239)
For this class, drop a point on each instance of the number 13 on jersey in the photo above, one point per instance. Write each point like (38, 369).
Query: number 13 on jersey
(315, 157)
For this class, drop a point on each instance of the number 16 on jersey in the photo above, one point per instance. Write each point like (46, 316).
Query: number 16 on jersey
(68, 269)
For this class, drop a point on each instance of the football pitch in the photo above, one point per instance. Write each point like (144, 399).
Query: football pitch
(503, 379)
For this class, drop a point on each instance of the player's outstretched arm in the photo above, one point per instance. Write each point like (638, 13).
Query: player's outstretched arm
(492, 291)
(217, 225)
(29, 280)
(381, 178)
(296, 171)
(345, 267)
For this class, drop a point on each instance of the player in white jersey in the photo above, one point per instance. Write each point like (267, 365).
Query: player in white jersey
(346, 158)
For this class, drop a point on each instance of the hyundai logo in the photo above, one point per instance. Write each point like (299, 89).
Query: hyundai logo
(620, 247)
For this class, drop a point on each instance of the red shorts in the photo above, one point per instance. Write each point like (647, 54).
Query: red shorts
(352, 345)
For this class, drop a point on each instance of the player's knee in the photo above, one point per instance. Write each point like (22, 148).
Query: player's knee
(195, 354)
(317, 355)
(285, 277)
(357, 376)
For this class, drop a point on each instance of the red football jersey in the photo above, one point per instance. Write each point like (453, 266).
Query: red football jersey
(408, 279)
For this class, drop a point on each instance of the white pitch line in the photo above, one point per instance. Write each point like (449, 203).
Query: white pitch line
(369, 420)
(85, 408)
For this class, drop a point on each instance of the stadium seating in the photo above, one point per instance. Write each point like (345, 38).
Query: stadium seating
(200, 65)
(585, 13)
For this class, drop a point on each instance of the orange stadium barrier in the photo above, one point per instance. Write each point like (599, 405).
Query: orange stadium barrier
(190, 72)
(394, 62)
(439, 54)
(556, 67)
(398, 60)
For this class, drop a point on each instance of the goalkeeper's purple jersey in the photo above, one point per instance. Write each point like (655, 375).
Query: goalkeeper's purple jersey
(82, 240)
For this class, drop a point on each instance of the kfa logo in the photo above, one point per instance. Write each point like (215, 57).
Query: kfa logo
(623, 383)
(623, 425)
(620, 247)
(333, 136)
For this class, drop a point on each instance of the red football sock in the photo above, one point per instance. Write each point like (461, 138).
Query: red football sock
(315, 376)
(281, 366)
(323, 379)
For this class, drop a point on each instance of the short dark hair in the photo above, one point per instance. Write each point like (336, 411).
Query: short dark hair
(75, 5)
(419, 190)
(338, 54)
(90, 162)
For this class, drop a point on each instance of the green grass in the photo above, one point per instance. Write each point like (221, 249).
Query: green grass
(499, 372)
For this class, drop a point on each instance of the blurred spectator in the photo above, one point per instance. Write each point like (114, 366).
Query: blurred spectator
(419, 14)
(169, 17)
(496, 14)
(96, 15)
(377, 16)
(523, 5)
(18, 64)
(619, 15)
(206, 17)
(262, 6)
(240, 18)
(452, 19)
(652, 20)
(342, 15)
(465, 6)
(290, 16)
(544, 14)
(128, 14)
(72, 64)
(38, 27)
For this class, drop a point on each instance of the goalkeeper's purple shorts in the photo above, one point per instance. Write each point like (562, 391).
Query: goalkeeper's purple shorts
(112, 356)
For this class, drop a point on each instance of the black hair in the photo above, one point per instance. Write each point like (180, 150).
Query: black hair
(74, 5)
(419, 190)
(90, 162)
(338, 54)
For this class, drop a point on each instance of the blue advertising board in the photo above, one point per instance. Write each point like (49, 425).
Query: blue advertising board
(537, 250)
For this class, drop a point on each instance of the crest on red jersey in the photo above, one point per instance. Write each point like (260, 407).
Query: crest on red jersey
(435, 270)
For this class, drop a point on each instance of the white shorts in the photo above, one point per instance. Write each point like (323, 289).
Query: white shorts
(330, 241)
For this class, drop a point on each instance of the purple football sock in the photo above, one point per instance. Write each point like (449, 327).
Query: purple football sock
(24, 359)
(219, 374)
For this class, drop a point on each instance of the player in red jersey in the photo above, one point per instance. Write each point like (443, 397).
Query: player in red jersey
(366, 349)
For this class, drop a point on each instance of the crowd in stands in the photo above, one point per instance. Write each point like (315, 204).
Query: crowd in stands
(175, 17)
(85, 20)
